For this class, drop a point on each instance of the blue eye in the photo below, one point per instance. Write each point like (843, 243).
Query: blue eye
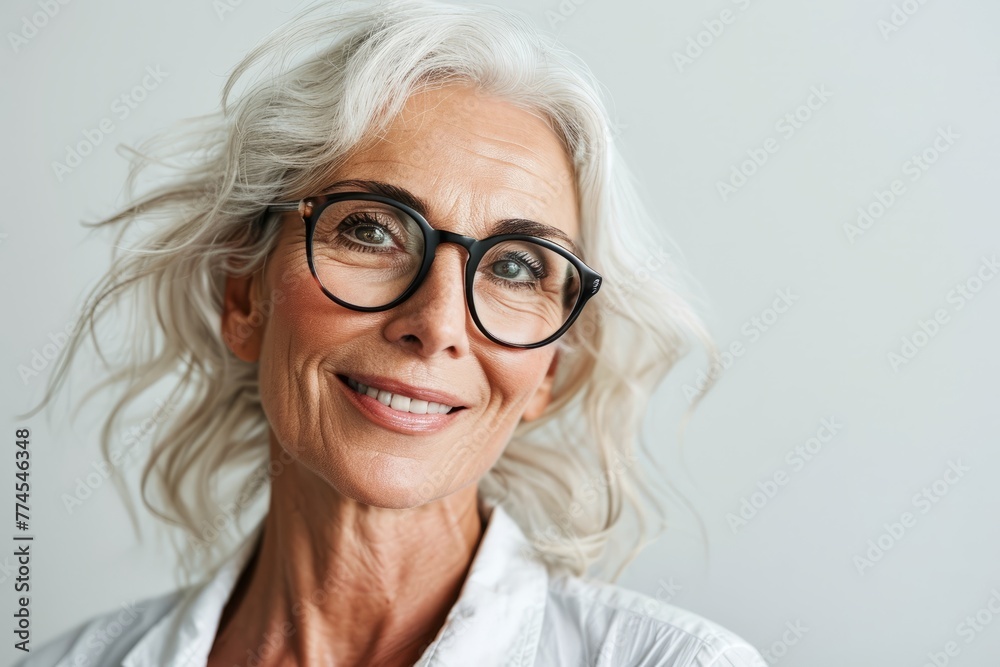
(507, 268)
(516, 269)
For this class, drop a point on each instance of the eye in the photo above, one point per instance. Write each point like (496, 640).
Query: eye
(369, 234)
(509, 269)
(367, 231)
(515, 269)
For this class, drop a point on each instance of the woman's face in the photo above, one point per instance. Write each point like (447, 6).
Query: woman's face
(474, 160)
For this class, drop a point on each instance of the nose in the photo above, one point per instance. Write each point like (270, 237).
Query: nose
(435, 318)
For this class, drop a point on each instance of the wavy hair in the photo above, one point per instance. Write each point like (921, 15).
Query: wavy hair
(310, 93)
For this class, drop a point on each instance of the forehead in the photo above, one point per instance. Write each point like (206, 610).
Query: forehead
(474, 159)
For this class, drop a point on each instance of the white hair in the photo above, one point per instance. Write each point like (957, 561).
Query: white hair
(332, 77)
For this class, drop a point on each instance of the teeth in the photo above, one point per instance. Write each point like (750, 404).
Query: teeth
(401, 403)
(398, 401)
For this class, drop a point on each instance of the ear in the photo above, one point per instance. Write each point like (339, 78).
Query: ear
(242, 324)
(543, 395)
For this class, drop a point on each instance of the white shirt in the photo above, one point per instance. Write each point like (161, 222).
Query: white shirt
(509, 612)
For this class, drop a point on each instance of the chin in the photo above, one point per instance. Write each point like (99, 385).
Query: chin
(402, 484)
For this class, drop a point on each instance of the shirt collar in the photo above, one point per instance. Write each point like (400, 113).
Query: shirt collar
(183, 637)
(497, 618)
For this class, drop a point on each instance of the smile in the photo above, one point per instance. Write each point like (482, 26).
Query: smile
(401, 407)
(400, 402)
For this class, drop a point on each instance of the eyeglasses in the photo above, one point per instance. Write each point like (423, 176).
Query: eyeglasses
(370, 253)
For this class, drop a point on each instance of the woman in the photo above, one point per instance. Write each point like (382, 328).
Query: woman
(378, 278)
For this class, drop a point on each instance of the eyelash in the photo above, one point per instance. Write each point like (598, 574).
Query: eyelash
(536, 268)
(355, 220)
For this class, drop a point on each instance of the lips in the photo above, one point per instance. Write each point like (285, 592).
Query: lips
(403, 417)
(402, 397)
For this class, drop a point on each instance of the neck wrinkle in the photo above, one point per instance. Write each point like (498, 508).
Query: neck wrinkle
(355, 584)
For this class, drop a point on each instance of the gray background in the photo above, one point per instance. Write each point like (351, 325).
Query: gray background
(682, 129)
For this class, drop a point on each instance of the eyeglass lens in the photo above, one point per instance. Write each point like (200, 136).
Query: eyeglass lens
(368, 253)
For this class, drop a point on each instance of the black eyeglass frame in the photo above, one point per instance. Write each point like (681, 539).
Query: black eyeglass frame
(310, 208)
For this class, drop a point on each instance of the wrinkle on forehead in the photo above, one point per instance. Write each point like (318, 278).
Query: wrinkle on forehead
(475, 159)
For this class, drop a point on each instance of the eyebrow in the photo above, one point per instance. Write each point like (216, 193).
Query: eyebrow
(505, 226)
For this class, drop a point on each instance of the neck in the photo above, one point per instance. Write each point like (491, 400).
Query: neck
(335, 581)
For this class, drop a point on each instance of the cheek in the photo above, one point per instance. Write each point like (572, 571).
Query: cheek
(304, 324)
(302, 328)
(515, 376)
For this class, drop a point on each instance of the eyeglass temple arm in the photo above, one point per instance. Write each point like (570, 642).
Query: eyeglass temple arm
(284, 206)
